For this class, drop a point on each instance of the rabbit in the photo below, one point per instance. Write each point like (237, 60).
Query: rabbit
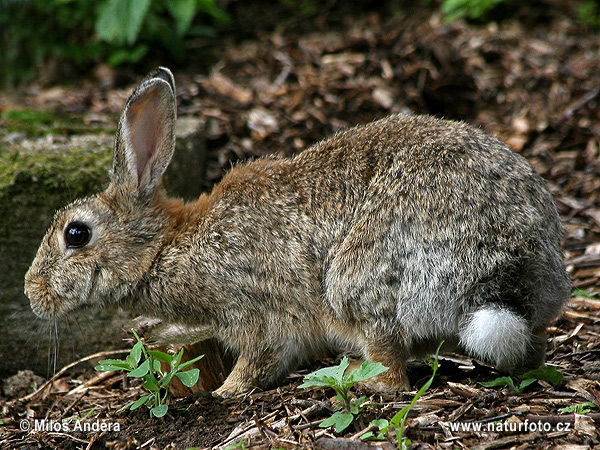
(384, 239)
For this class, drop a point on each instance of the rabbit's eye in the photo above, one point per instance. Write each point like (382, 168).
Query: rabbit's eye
(77, 235)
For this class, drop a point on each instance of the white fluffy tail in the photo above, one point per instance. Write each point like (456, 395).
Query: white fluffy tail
(496, 335)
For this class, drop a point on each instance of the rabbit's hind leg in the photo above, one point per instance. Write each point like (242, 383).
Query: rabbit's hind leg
(388, 351)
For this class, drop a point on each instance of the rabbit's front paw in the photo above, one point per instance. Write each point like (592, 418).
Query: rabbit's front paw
(229, 390)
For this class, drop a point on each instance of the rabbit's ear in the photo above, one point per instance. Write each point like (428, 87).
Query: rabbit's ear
(145, 139)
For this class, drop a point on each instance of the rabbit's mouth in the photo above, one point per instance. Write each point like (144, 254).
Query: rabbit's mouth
(43, 302)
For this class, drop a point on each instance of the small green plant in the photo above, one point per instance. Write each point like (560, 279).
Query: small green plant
(242, 445)
(470, 9)
(334, 377)
(545, 373)
(398, 421)
(580, 408)
(156, 380)
(588, 14)
(584, 294)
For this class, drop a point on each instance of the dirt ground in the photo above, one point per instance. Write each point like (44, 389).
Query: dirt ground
(531, 78)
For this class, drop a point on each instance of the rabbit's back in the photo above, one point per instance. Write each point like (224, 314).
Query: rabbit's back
(428, 220)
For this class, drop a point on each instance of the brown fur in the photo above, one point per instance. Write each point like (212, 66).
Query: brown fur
(385, 238)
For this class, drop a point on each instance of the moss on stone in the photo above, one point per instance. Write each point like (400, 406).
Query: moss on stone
(34, 122)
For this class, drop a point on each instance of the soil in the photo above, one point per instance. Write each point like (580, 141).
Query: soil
(530, 77)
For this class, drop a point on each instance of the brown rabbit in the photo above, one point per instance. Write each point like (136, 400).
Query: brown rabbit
(384, 238)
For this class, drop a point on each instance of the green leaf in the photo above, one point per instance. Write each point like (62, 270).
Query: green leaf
(328, 376)
(340, 419)
(151, 385)
(580, 408)
(164, 382)
(189, 363)
(177, 359)
(126, 406)
(318, 382)
(501, 381)
(189, 378)
(156, 366)
(524, 385)
(366, 370)
(140, 401)
(183, 11)
(161, 356)
(546, 373)
(136, 352)
(399, 419)
(356, 405)
(585, 294)
(109, 367)
(142, 370)
(131, 362)
(382, 425)
(159, 411)
(395, 421)
(120, 21)
(114, 362)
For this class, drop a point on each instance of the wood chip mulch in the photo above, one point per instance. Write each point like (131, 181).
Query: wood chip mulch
(532, 80)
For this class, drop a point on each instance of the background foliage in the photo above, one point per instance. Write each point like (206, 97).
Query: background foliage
(79, 33)
(46, 38)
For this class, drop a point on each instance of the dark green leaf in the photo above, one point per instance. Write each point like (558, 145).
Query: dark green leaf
(140, 401)
(161, 356)
(151, 385)
(159, 411)
(108, 368)
(189, 363)
(189, 378)
(136, 352)
(546, 373)
(114, 362)
(501, 381)
(141, 371)
(164, 382)
(524, 385)
(126, 406)
(340, 419)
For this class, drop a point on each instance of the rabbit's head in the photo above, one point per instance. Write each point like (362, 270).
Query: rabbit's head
(98, 248)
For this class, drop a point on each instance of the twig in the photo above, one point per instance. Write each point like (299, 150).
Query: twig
(67, 435)
(365, 431)
(308, 425)
(580, 103)
(67, 367)
(246, 429)
(103, 376)
(507, 441)
(72, 405)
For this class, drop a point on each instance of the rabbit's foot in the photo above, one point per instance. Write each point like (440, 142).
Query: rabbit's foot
(387, 350)
(387, 383)
(229, 390)
(247, 374)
